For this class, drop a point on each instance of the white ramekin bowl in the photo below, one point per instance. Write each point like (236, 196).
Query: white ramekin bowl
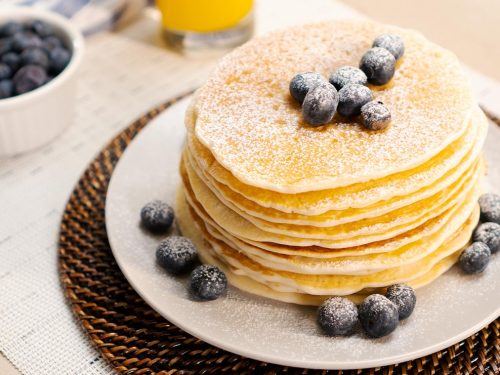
(32, 119)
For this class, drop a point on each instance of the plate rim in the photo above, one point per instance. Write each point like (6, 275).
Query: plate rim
(260, 356)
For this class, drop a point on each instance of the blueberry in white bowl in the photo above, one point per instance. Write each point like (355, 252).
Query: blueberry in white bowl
(38, 78)
(24, 43)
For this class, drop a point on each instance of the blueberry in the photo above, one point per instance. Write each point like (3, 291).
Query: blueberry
(404, 297)
(12, 59)
(392, 43)
(24, 40)
(378, 316)
(51, 42)
(176, 254)
(302, 83)
(475, 258)
(35, 56)
(41, 28)
(28, 78)
(490, 207)
(208, 282)
(59, 58)
(320, 104)
(157, 216)
(5, 71)
(338, 316)
(6, 88)
(375, 115)
(489, 234)
(346, 75)
(5, 45)
(352, 97)
(378, 65)
(10, 28)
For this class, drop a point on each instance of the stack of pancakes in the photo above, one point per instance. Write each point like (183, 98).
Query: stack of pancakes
(298, 213)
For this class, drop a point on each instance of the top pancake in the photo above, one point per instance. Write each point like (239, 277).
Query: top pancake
(245, 116)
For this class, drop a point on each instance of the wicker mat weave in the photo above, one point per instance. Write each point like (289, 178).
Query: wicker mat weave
(137, 340)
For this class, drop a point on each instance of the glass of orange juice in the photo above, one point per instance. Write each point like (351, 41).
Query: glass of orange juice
(206, 24)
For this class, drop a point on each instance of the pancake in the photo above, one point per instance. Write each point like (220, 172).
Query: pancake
(347, 265)
(244, 115)
(371, 224)
(333, 284)
(377, 193)
(341, 236)
(245, 283)
(300, 213)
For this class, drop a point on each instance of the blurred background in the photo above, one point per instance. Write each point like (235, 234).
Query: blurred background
(469, 28)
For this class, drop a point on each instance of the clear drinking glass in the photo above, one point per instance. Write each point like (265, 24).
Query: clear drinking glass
(197, 25)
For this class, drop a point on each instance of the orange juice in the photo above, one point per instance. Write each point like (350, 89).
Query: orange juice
(203, 15)
(206, 23)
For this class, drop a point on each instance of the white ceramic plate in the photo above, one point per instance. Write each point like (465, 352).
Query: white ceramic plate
(449, 310)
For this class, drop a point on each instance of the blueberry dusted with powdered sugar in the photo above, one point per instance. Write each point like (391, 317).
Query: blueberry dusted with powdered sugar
(338, 316)
(404, 297)
(177, 254)
(320, 104)
(378, 316)
(475, 258)
(379, 65)
(376, 116)
(392, 43)
(490, 207)
(302, 83)
(351, 98)
(208, 282)
(157, 216)
(489, 234)
(346, 75)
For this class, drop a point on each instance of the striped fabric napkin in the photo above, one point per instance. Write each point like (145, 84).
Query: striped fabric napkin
(91, 16)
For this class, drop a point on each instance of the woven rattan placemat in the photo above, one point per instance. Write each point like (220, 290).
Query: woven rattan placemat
(137, 340)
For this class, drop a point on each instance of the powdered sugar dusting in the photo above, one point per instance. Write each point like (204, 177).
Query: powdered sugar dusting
(458, 156)
(244, 114)
(347, 74)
